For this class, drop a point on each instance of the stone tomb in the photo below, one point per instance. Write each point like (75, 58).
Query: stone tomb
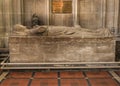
(61, 49)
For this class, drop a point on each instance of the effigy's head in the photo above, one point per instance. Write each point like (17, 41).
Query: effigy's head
(35, 20)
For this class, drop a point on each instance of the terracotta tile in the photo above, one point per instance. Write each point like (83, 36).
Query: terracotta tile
(98, 75)
(45, 75)
(73, 82)
(103, 82)
(118, 72)
(44, 82)
(20, 75)
(15, 82)
(71, 75)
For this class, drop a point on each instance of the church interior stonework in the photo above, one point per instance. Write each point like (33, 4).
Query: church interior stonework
(67, 39)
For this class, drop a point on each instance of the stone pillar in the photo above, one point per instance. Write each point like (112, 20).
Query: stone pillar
(48, 11)
(116, 17)
(112, 14)
(7, 19)
(75, 12)
(2, 32)
(104, 13)
(6, 16)
(1, 19)
(119, 20)
(17, 11)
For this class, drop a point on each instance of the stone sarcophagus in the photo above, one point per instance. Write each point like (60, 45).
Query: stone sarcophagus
(61, 49)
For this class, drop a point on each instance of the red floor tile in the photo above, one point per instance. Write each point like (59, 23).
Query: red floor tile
(15, 82)
(118, 72)
(20, 75)
(45, 75)
(44, 82)
(98, 75)
(73, 82)
(103, 82)
(71, 75)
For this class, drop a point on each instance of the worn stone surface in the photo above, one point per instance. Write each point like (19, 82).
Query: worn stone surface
(78, 31)
(63, 31)
(20, 30)
(61, 49)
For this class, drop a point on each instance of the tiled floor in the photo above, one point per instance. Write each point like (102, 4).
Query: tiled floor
(97, 74)
(44, 82)
(45, 75)
(118, 72)
(59, 79)
(15, 82)
(70, 75)
(103, 82)
(20, 75)
(73, 82)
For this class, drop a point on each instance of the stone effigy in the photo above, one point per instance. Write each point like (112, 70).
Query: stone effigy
(62, 31)
(79, 32)
(20, 30)
(62, 44)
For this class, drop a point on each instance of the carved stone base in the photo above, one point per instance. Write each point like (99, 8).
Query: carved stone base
(61, 49)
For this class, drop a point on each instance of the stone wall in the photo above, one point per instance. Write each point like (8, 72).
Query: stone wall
(92, 14)
(61, 49)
